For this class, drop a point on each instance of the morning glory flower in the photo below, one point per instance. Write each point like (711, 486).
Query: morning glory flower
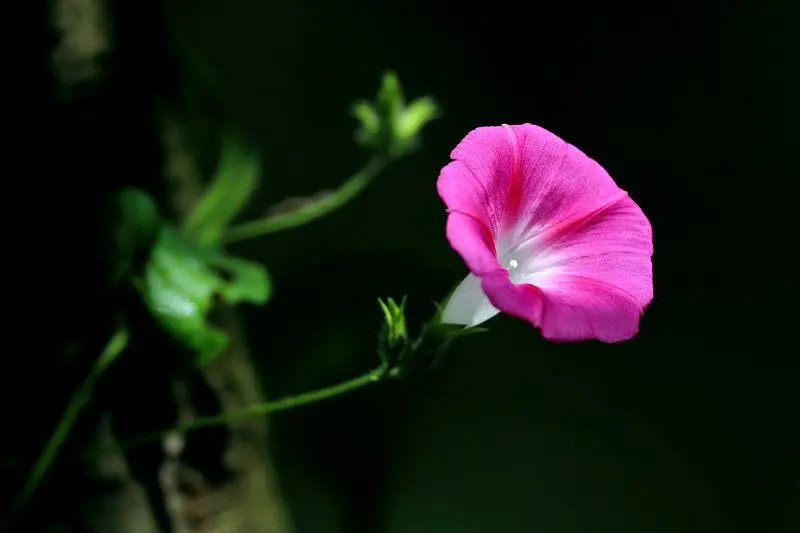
(547, 235)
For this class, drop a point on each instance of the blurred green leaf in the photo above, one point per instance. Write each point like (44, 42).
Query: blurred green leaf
(390, 99)
(230, 189)
(417, 115)
(367, 116)
(178, 288)
(247, 281)
(139, 213)
(181, 280)
(135, 230)
(388, 124)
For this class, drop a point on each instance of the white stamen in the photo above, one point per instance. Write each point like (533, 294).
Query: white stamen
(513, 264)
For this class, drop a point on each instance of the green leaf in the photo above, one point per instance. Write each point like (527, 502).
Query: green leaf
(231, 187)
(417, 115)
(135, 229)
(388, 124)
(139, 214)
(248, 281)
(453, 331)
(390, 100)
(394, 315)
(369, 122)
(178, 288)
(181, 280)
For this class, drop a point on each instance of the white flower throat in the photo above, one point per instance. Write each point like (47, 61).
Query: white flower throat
(514, 272)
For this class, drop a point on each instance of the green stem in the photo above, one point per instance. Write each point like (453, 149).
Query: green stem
(76, 404)
(311, 211)
(276, 406)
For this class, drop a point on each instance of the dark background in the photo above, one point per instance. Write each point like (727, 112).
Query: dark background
(692, 107)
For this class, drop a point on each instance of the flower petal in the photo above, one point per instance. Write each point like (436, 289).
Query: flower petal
(479, 178)
(559, 182)
(612, 245)
(570, 309)
(471, 239)
(578, 308)
(595, 273)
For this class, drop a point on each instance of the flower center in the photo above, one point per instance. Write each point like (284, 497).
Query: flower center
(515, 273)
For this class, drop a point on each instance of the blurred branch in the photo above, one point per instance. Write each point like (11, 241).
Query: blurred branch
(388, 126)
(230, 469)
(311, 209)
(266, 408)
(76, 404)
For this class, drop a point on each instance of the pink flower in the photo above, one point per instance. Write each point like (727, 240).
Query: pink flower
(548, 236)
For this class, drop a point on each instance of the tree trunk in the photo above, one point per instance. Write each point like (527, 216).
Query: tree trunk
(123, 119)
